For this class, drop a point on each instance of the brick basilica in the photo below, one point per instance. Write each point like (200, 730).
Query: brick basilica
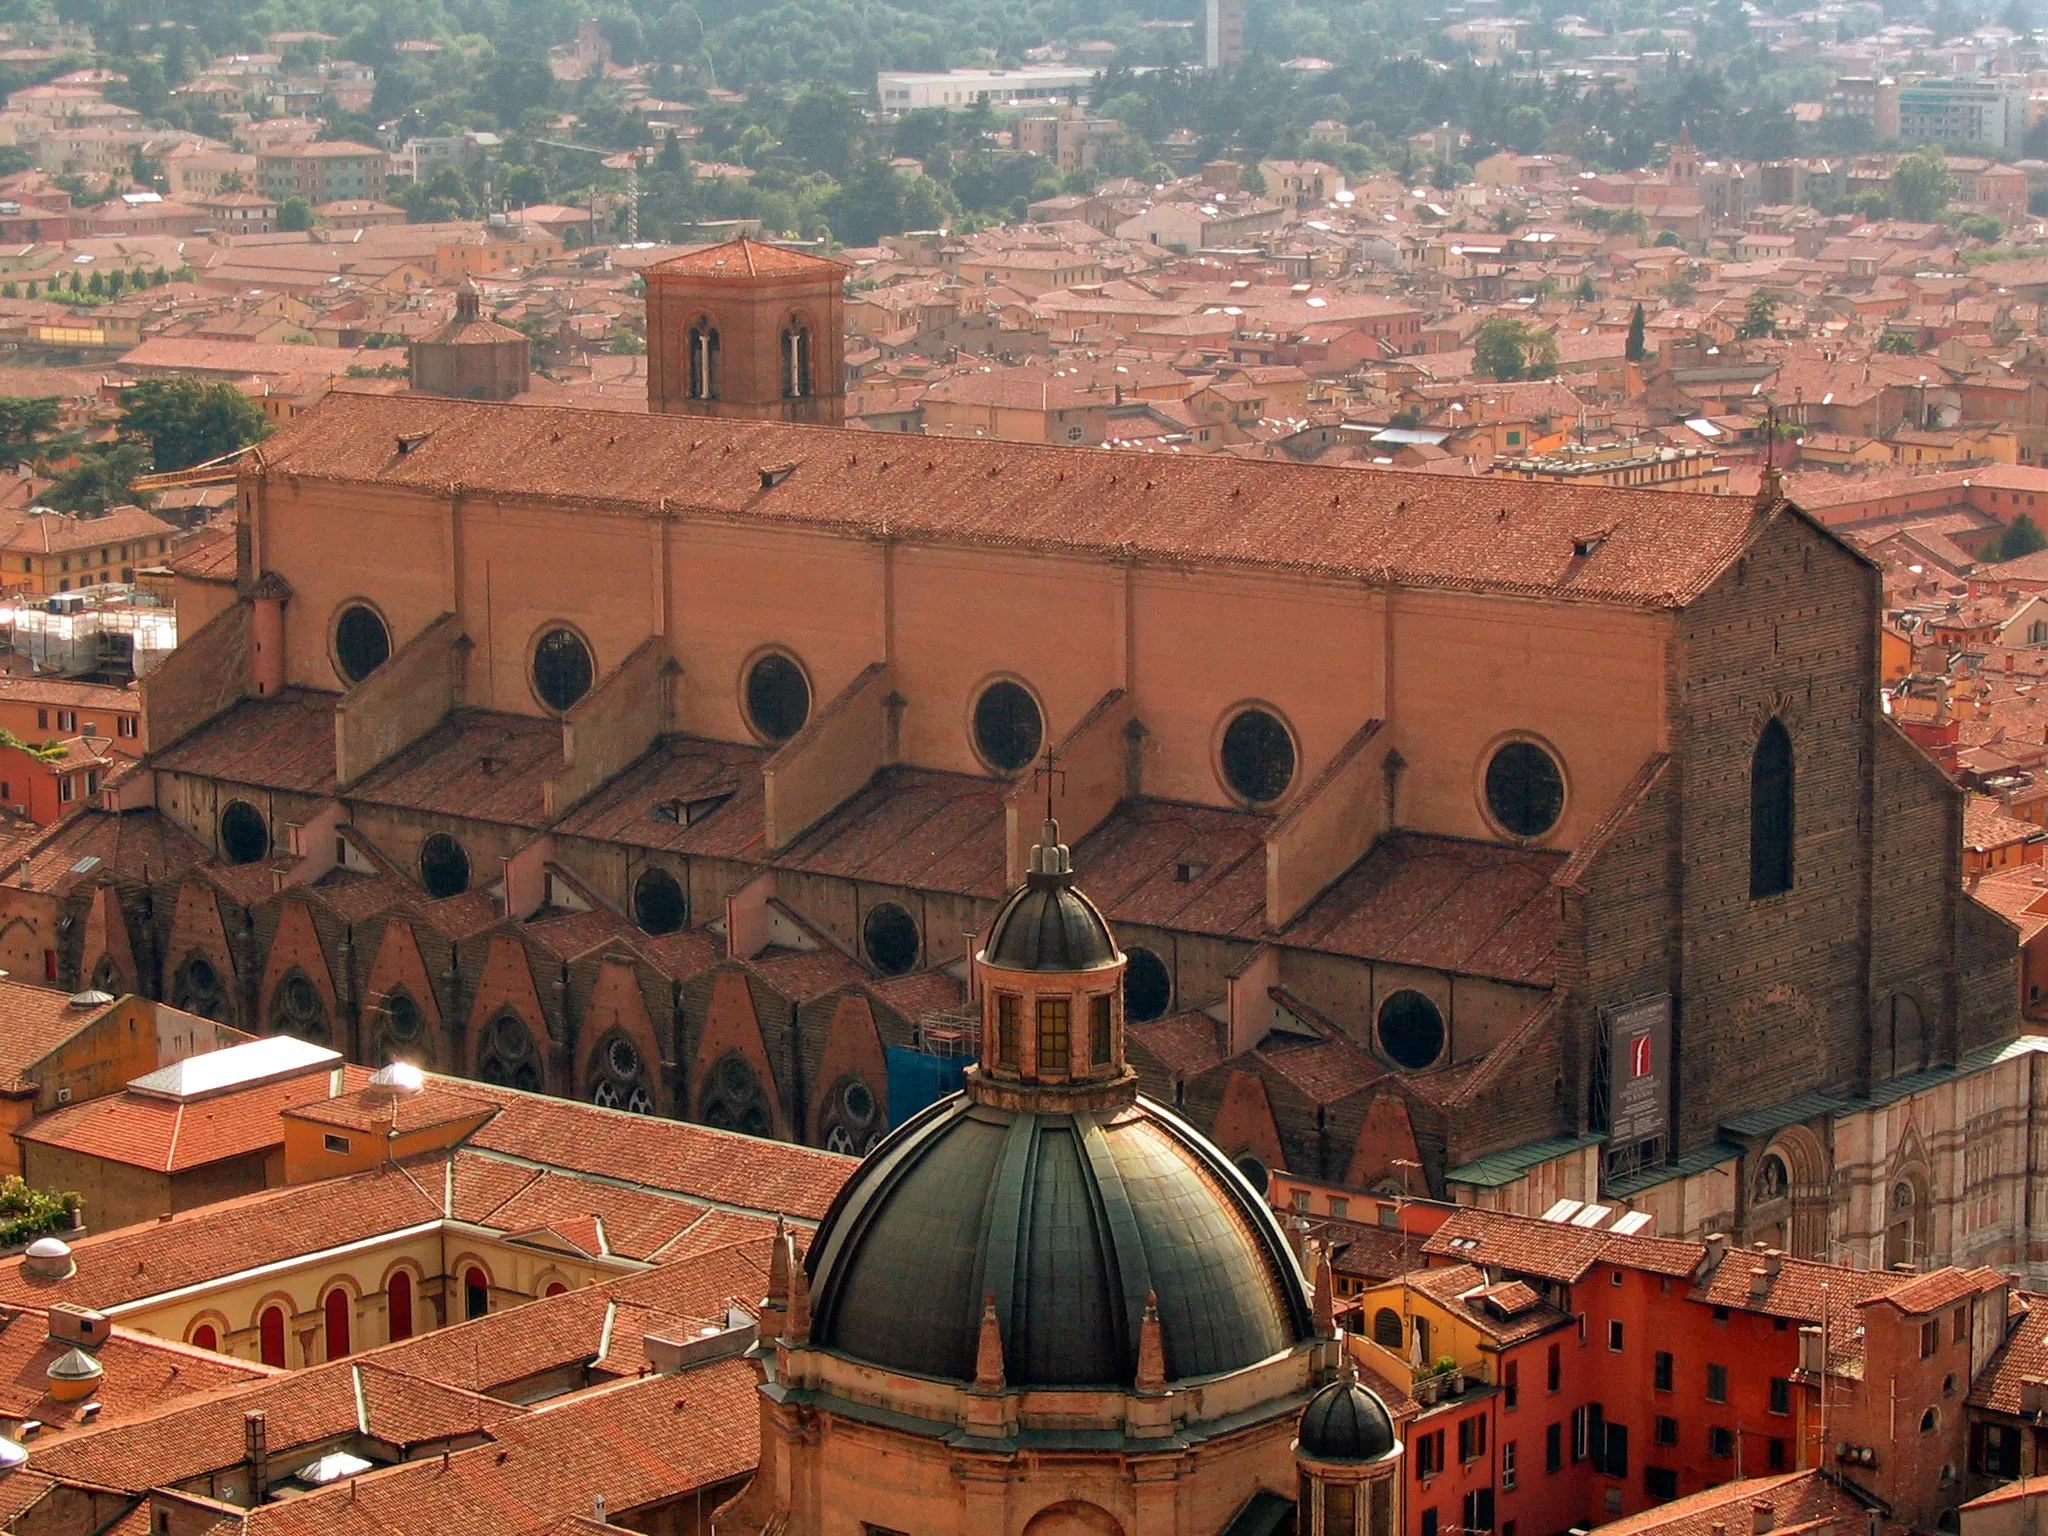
(1501, 840)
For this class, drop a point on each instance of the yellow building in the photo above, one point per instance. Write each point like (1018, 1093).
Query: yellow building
(54, 552)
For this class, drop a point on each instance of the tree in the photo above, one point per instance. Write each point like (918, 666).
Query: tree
(295, 213)
(97, 283)
(1900, 342)
(1526, 129)
(1587, 292)
(1253, 180)
(1634, 349)
(1759, 317)
(99, 480)
(185, 422)
(1981, 226)
(825, 130)
(2022, 537)
(24, 421)
(1507, 348)
(1922, 185)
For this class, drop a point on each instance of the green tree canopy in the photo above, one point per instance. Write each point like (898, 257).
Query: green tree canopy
(100, 479)
(825, 131)
(1922, 185)
(1759, 316)
(294, 213)
(24, 423)
(2022, 537)
(183, 422)
(1900, 342)
(1635, 347)
(1507, 348)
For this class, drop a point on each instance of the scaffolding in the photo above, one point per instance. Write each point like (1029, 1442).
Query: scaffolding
(109, 632)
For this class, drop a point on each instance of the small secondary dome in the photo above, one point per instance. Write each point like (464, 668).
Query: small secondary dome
(1346, 1421)
(401, 1079)
(50, 1257)
(1047, 924)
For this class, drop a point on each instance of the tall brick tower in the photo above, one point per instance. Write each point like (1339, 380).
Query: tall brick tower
(747, 330)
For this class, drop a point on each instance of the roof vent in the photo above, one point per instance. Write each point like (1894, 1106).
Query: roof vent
(773, 475)
(73, 1374)
(399, 1080)
(85, 1002)
(407, 441)
(50, 1259)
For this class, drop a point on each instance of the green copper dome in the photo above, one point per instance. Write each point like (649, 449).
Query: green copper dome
(1069, 1221)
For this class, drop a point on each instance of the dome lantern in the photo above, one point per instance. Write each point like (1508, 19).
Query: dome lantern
(1051, 980)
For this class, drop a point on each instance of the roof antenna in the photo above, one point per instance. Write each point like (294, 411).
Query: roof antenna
(1770, 489)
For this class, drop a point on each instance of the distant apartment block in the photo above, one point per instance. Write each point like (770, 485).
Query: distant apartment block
(1223, 33)
(1992, 112)
(323, 172)
(910, 90)
(1873, 99)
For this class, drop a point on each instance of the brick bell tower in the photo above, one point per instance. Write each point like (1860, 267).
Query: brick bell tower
(749, 331)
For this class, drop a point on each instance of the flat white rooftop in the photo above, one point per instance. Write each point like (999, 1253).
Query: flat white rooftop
(238, 1066)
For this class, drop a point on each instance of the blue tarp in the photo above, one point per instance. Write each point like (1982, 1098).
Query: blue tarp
(916, 1080)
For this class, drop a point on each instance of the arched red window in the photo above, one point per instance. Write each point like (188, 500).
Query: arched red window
(338, 1309)
(476, 1292)
(556, 1288)
(270, 1327)
(400, 1297)
(205, 1337)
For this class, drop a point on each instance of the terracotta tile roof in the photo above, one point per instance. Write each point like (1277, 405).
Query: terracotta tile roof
(2024, 1354)
(655, 1440)
(638, 807)
(62, 693)
(1796, 1499)
(1940, 1289)
(370, 1111)
(130, 1263)
(915, 827)
(207, 556)
(1552, 1250)
(344, 1398)
(803, 975)
(1659, 549)
(33, 1022)
(283, 742)
(1184, 1043)
(1802, 1290)
(749, 258)
(921, 992)
(490, 767)
(719, 1167)
(57, 532)
(145, 1375)
(1506, 1314)
(632, 1223)
(167, 1136)
(95, 845)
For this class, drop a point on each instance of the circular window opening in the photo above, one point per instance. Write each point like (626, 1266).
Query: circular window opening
(444, 867)
(244, 835)
(1007, 726)
(858, 1101)
(201, 975)
(658, 905)
(562, 669)
(890, 934)
(1148, 986)
(361, 642)
(1253, 1170)
(620, 1059)
(1524, 789)
(778, 698)
(1258, 757)
(1411, 1030)
(301, 999)
(402, 1018)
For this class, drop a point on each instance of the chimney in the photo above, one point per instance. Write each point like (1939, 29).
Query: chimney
(1763, 1516)
(77, 1325)
(2033, 1394)
(256, 1450)
(1717, 1250)
(1774, 1261)
(1811, 1356)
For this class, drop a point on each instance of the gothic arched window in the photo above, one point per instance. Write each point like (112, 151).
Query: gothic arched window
(507, 1055)
(618, 1079)
(296, 1009)
(796, 360)
(1770, 812)
(733, 1099)
(704, 361)
(198, 988)
(853, 1119)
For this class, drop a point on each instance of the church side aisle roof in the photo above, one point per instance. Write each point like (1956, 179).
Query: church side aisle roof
(1640, 549)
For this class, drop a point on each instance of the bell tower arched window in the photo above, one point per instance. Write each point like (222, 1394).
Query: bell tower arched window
(703, 361)
(1770, 812)
(796, 360)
